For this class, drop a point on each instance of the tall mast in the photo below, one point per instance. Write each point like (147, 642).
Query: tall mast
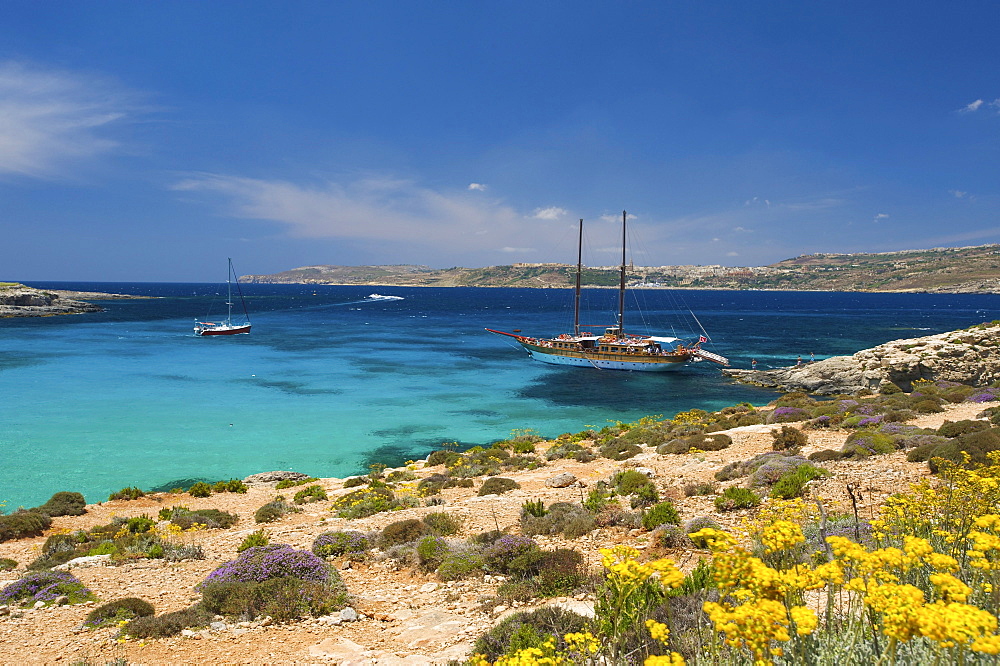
(229, 291)
(579, 270)
(621, 286)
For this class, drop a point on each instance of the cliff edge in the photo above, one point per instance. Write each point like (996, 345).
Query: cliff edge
(17, 300)
(969, 355)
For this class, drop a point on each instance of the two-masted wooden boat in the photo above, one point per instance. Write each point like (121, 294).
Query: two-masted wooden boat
(614, 349)
(227, 327)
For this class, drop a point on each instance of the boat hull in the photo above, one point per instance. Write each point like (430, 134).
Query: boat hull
(221, 330)
(606, 361)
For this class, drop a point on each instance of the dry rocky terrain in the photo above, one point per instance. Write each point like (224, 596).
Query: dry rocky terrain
(404, 617)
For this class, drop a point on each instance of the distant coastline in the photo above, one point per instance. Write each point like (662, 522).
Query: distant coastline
(18, 300)
(968, 270)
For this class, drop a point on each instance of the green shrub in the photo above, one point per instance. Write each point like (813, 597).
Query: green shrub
(696, 525)
(113, 612)
(825, 455)
(365, 502)
(660, 514)
(399, 476)
(21, 524)
(734, 498)
(497, 485)
(313, 493)
(956, 428)
(530, 629)
(291, 483)
(400, 532)
(790, 485)
(200, 489)
(140, 524)
(629, 482)
(570, 520)
(561, 571)
(534, 508)
(693, 488)
(789, 438)
(701, 442)
(168, 624)
(442, 457)
(7, 564)
(209, 518)
(443, 524)
(274, 510)
(928, 406)
(864, 443)
(258, 538)
(619, 449)
(351, 543)
(129, 493)
(460, 563)
(431, 552)
(64, 504)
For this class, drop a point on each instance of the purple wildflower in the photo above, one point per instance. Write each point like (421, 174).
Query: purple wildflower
(844, 406)
(262, 563)
(985, 395)
(870, 420)
(44, 586)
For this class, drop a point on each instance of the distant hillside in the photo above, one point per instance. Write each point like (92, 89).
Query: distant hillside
(942, 270)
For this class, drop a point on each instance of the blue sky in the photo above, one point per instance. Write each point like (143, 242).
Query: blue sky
(149, 141)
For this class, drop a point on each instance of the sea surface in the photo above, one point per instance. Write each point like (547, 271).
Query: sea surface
(330, 380)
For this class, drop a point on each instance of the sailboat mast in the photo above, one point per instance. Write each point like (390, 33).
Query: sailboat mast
(621, 286)
(579, 270)
(229, 291)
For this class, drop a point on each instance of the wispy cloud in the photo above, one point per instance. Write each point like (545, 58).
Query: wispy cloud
(972, 106)
(551, 213)
(477, 187)
(381, 209)
(51, 119)
(880, 216)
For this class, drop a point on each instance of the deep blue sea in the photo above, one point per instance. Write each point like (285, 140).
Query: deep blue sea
(329, 382)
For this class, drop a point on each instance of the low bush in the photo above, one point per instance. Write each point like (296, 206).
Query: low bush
(64, 504)
(365, 502)
(572, 450)
(254, 539)
(207, 518)
(788, 415)
(21, 524)
(400, 532)
(791, 484)
(497, 485)
(442, 457)
(570, 520)
(7, 564)
(443, 524)
(309, 494)
(274, 510)
(113, 612)
(734, 498)
(129, 493)
(291, 483)
(352, 543)
(697, 524)
(168, 624)
(560, 571)
(825, 455)
(700, 442)
(619, 449)
(693, 488)
(200, 489)
(530, 630)
(282, 598)
(865, 443)
(630, 482)
(139, 524)
(509, 554)
(461, 563)
(431, 552)
(789, 438)
(956, 428)
(660, 514)
(45, 586)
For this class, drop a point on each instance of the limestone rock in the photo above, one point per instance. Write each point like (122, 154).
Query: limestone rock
(274, 477)
(561, 480)
(969, 356)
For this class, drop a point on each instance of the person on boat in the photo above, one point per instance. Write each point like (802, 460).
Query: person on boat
(753, 364)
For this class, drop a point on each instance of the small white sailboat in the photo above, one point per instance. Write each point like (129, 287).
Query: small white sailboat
(227, 327)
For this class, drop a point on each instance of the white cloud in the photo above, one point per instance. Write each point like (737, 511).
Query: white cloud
(958, 194)
(51, 118)
(551, 213)
(380, 209)
(757, 201)
(518, 250)
(880, 216)
(971, 106)
(477, 187)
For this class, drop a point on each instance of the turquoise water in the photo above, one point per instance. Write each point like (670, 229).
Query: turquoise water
(329, 382)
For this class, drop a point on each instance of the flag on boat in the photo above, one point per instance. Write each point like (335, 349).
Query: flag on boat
(702, 339)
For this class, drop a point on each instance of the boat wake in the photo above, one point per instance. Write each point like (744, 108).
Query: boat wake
(380, 297)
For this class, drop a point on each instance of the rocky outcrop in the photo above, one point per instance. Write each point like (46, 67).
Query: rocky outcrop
(970, 356)
(16, 300)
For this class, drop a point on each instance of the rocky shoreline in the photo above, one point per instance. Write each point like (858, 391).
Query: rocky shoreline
(17, 300)
(967, 356)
